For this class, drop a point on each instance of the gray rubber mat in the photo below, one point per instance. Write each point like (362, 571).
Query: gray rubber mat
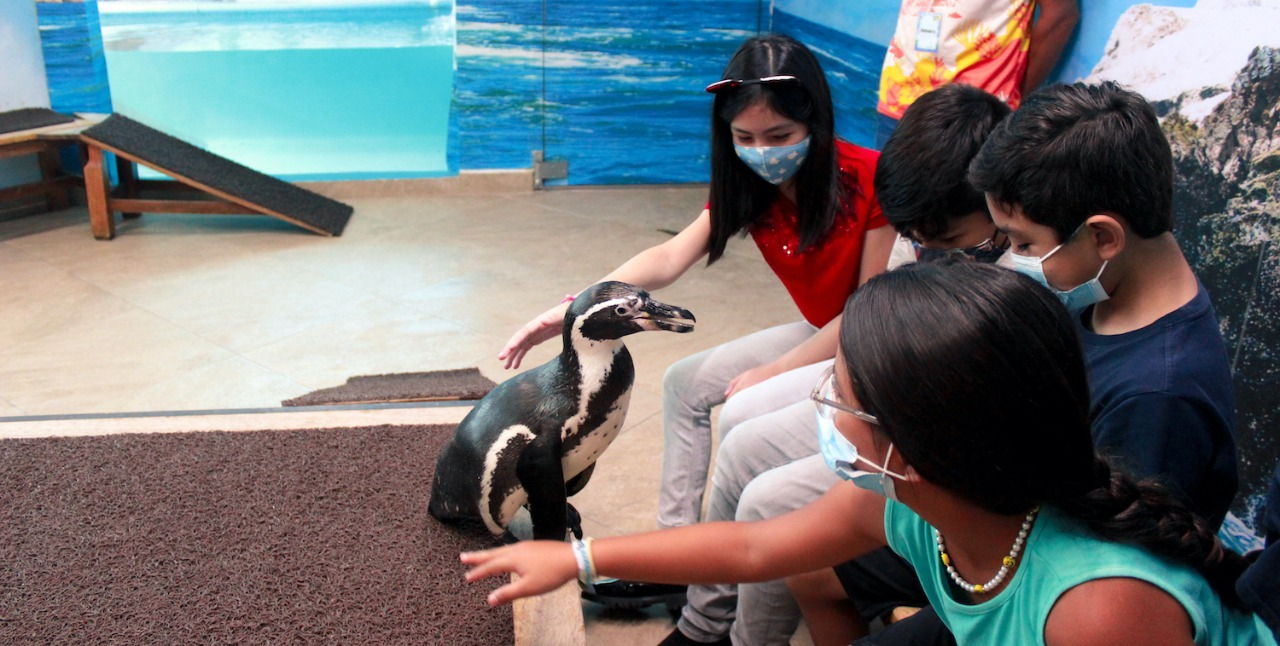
(28, 118)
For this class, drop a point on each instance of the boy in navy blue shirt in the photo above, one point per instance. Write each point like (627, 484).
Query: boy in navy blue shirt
(1081, 180)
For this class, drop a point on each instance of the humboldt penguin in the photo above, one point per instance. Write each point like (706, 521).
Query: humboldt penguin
(535, 438)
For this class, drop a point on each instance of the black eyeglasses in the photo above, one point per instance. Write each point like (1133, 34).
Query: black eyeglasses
(727, 84)
(988, 250)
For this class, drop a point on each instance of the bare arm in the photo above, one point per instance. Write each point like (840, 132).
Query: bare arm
(1117, 611)
(662, 264)
(877, 244)
(842, 524)
(653, 268)
(1049, 36)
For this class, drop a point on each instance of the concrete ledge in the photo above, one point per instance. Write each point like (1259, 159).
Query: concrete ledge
(248, 420)
(467, 182)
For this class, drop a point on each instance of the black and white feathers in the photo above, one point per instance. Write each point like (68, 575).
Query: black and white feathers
(535, 438)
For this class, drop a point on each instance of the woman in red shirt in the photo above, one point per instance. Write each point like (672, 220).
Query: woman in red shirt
(806, 198)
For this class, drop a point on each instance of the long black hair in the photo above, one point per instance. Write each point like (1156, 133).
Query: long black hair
(977, 377)
(739, 197)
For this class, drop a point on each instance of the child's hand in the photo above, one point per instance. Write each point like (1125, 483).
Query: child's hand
(542, 566)
(546, 325)
(750, 378)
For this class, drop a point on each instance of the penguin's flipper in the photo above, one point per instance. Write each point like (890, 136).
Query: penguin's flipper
(576, 483)
(542, 477)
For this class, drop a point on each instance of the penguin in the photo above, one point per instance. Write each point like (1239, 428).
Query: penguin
(535, 438)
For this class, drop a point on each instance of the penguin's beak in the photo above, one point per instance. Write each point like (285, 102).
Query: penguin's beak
(660, 316)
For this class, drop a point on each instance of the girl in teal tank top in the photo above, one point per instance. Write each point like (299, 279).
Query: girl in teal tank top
(959, 412)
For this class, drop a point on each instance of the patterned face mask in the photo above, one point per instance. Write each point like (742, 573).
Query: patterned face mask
(775, 164)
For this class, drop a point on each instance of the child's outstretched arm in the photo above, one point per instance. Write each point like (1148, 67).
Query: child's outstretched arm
(843, 524)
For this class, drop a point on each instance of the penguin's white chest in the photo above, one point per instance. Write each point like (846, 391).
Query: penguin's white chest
(593, 442)
(596, 362)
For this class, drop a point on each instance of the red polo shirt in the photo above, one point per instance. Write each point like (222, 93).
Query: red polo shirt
(821, 278)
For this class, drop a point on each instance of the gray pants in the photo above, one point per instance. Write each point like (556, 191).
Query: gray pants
(693, 386)
(766, 430)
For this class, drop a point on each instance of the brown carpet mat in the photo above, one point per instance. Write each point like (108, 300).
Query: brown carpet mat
(262, 537)
(465, 383)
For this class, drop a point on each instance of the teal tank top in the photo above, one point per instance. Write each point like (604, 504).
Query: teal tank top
(1060, 554)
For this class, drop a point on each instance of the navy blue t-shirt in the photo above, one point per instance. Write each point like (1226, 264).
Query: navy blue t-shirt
(1163, 404)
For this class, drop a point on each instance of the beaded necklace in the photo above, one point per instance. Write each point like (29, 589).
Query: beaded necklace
(1006, 563)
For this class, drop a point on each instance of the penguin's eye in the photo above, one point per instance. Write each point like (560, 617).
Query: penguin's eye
(622, 310)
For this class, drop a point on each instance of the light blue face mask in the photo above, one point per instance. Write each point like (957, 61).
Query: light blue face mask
(776, 164)
(1076, 298)
(841, 455)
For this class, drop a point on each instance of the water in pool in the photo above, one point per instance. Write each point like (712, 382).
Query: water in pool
(301, 92)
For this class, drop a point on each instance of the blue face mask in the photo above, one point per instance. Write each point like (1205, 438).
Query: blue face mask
(776, 164)
(1076, 298)
(841, 457)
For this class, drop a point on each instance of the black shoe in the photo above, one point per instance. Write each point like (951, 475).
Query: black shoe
(620, 593)
(677, 638)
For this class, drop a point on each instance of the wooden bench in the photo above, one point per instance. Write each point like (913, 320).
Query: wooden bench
(45, 143)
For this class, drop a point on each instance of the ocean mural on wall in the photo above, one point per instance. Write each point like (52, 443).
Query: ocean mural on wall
(614, 88)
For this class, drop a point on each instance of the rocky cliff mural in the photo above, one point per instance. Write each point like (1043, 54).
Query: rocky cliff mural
(1213, 72)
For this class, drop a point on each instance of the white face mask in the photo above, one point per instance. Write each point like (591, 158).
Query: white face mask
(1076, 298)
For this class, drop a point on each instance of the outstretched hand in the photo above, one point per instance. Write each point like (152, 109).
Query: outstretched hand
(542, 566)
(546, 325)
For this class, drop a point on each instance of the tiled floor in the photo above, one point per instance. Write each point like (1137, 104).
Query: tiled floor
(187, 312)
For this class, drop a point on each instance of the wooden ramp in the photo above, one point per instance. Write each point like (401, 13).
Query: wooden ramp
(205, 183)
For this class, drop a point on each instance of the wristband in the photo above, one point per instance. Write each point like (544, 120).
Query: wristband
(586, 569)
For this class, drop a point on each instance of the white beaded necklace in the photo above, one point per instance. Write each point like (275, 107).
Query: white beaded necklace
(1005, 564)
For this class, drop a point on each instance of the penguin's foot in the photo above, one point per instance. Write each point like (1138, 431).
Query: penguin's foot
(574, 520)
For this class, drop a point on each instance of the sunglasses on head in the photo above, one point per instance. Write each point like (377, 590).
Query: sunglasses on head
(727, 84)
